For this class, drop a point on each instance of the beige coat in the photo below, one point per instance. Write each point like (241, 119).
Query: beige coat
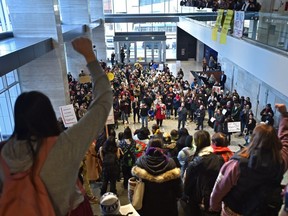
(93, 164)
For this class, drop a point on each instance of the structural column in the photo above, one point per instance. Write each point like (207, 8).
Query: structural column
(41, 19)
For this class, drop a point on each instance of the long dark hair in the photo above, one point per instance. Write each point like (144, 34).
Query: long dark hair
(264, 138)
(110, 145)
(127, 133)
(34, 116)
(201, 140)
(34, 119)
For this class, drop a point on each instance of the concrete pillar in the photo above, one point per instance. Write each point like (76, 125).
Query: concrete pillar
(98, 37)
(41, 19)
(89, 12)
(96, 10)
(33, 18)
(98, 33)
(44, 74)
(75, 12)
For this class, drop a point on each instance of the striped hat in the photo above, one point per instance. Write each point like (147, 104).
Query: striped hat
(109, 204)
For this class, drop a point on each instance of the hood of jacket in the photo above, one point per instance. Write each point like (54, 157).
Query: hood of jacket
(155, 161)
(205, 151)
(18, 155)
(164, 177)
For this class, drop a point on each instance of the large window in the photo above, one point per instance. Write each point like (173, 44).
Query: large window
(141, 6)
(5, 24)
(9, 91)
(168, 27)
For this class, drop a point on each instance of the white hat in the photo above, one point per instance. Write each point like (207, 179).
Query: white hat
(109, 204)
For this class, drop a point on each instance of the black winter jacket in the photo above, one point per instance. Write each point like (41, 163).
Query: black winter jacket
(163, 185)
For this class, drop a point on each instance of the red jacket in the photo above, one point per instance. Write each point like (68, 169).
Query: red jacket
(160, 111)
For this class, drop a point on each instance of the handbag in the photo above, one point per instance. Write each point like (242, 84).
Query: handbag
(136, 189)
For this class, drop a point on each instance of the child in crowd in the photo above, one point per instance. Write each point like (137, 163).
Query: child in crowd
(151, 114)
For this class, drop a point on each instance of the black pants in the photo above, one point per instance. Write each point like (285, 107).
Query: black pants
(134, 116)
(175, 112)
(112, 186)
(107, 177)
(126, 175)
(181, 123)
(200, 124)
(159, 122)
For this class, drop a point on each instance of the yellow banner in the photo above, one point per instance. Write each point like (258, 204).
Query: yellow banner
(217, 24)
(226, 26)
(219, 18)
(214, 34)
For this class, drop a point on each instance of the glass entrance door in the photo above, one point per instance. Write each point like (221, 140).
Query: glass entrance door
(142, 51)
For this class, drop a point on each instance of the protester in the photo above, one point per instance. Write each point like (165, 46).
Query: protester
(110, 155)
(36, 126)
(200, 176)
(250, 182)
(162, 181)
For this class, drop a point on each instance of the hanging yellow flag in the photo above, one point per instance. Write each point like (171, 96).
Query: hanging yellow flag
(214, 34)
(217, 24)
(226, 26)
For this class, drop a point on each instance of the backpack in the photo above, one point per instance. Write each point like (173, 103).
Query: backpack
(24, 193)
(129, 158)
(262, 199)
(110, 159)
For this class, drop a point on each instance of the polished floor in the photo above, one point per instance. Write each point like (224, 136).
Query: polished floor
(167, 126)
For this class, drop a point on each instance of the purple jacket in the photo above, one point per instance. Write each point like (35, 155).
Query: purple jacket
(229, 173)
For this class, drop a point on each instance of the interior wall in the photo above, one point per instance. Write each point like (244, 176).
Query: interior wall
(260, 62)
(186, 45)
(247, 84)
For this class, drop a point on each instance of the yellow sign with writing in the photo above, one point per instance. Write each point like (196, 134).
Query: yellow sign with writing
(217, 24)
(85, 79)
(226, 26)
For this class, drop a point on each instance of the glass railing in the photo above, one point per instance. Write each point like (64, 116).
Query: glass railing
(270, 29)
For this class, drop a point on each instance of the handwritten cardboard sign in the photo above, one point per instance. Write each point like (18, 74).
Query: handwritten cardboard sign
(110, 118)
(234, 127)
(68, 115)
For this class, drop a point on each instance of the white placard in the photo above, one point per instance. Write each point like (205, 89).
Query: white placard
(238, 23)
(124, 210)
(224, 111)
(110, 118)
(234, 127)
(212, 119)
(216, 89)
(68, 115)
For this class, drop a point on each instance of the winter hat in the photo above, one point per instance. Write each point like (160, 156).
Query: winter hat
(109, 204)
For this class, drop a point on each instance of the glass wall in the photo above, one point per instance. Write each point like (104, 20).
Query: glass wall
(9, 91)
(168, 27)
(143, 6)
(5, 24)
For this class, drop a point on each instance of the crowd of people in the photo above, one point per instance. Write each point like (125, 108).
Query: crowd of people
(238, 5)
(198, 170)
(190, 164)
